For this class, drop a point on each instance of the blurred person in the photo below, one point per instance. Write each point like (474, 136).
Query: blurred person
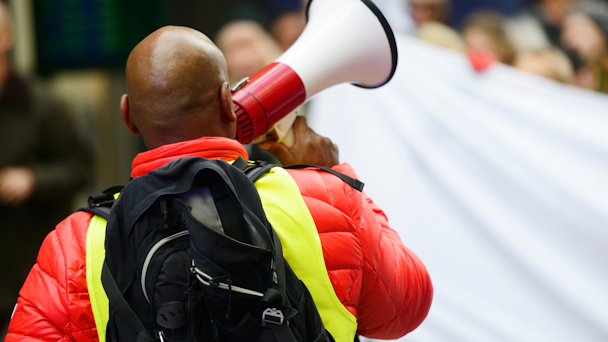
(42, 164)
(381, 288)
(550, 14)
(289, 20)
(551, 63)
(585, 30)
(247, 47)
(424, 11)
(526, 34)
(442, 35)
(288, 27)
(484, 33)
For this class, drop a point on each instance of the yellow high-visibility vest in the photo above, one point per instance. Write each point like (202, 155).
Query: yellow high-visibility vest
(287, 213)
(96, 254)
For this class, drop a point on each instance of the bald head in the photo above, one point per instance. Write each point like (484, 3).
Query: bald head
(177, 88)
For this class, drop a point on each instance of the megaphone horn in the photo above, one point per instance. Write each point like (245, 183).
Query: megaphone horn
(344, 41)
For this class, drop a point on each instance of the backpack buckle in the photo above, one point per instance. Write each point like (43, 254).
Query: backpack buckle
(272, 315)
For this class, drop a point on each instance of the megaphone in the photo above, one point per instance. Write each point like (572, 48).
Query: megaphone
(344, 41)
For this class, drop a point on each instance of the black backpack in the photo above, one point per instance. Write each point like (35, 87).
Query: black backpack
(171, 277)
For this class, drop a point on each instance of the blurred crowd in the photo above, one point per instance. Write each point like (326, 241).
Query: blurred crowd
(44, 161)
(563, 40)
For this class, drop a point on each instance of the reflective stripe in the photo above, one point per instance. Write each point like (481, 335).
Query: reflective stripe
(291, 219)
(95, 255)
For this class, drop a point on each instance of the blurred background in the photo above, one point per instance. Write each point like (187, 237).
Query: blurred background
(62, 76)
(78, 48)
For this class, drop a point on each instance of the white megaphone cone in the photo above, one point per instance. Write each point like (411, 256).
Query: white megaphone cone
(344, 41)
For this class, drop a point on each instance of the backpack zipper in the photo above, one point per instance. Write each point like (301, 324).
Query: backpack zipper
(200, 274)
(153, 250)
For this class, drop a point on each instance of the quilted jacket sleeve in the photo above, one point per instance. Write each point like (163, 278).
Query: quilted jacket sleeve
(393, 276)
(380, 281)
(53, 303)
(396, 289)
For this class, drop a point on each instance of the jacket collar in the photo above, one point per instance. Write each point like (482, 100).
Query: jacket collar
(207, 147)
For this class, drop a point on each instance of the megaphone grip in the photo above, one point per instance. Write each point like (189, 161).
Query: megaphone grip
(270, 95)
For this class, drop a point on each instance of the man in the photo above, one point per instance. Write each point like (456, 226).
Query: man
(42, 164)
(179, 101)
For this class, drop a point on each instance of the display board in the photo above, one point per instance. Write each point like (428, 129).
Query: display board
(92, 33)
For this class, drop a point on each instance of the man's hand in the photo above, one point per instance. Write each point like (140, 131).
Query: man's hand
(16, 185)
(309, 148)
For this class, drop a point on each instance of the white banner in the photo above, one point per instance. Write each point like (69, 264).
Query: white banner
(498, 181)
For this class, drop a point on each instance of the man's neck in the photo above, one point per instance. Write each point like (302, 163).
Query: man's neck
(206, 147)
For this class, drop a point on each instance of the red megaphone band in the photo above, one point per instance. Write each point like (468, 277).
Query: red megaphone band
(270, 95)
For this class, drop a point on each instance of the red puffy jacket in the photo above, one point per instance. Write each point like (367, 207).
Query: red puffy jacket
(376, 278)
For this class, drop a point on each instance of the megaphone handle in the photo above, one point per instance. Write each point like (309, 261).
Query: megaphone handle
(283, 131)
(289, 139)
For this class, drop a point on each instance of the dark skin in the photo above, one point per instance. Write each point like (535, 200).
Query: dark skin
(178, 90)
(309, 148)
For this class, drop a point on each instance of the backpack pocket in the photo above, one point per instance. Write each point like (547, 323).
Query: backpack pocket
(233, 276)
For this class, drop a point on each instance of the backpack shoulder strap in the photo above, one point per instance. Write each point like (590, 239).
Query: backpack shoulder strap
(101, 203)
(105, 197)
(254, 170)
(259, 168)
(122, 307)
(103, 211)
(240, 163)
(354, 183)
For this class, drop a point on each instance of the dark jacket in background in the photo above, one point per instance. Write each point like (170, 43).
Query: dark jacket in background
(37, 133)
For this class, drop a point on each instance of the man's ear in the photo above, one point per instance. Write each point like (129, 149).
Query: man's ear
(125, 112)
(227, 106)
